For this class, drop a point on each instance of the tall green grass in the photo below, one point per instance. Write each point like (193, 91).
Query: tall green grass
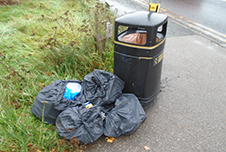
(40, 42)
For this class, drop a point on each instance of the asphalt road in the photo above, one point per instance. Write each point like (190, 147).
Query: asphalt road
(210, 13)
(204, 17)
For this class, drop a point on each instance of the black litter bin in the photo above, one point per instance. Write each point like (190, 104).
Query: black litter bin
(138, 54)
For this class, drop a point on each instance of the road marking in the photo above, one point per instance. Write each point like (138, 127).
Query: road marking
(215, 35)
(211, 33)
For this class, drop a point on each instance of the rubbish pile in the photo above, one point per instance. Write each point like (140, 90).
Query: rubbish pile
(90, 108)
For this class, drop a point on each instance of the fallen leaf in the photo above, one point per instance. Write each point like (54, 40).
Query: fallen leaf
(96, 64)
(42, 85)
(61, 142)
(84, 147)
(53, 128)
(29, 145)
(53, 150)
(67, 130)
(110, 139)
(147, 148)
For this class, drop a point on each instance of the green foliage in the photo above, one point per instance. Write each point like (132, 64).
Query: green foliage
(40, 42)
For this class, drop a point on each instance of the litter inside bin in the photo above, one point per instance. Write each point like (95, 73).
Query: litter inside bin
(138, 38)
(135, 38)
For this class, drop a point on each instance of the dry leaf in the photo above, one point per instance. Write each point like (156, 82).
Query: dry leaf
(29, 145)
(110, 139)
(147, 148)
(84, 147)
(53, 150)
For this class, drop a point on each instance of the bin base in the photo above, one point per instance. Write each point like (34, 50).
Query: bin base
(144, 101)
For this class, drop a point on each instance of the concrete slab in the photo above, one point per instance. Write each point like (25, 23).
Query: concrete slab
(189, 113)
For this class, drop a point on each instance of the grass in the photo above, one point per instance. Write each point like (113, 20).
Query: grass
(40, 42)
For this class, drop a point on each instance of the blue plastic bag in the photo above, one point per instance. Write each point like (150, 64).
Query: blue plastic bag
(72, 90)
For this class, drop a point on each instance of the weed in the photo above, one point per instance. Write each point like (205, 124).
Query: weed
(43, 41)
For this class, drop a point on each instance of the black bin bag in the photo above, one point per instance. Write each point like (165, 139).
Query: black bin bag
(79, 122)
(102, 88)
(125, 117)
(52, 97)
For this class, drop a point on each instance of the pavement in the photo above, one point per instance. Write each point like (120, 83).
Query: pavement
(189, 114)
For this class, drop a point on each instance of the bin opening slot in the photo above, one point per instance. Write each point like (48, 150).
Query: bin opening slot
(136, 35)
(161, 32)
(133, 35)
